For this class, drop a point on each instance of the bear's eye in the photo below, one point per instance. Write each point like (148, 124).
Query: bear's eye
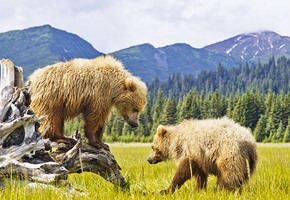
(135, 109)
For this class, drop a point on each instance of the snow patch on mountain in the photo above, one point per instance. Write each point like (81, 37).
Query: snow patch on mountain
(229, 51)
(283, 45)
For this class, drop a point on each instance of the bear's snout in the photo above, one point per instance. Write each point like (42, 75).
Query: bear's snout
(132, 119)
(150, 160)
(153, 159)
(133, 124)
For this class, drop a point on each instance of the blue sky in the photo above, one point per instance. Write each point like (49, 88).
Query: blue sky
(111, 25)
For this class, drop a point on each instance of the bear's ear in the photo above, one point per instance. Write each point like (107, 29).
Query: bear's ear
(161, 131)
(130, 84)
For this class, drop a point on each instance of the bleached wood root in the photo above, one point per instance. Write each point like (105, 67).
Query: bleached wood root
(24, 155)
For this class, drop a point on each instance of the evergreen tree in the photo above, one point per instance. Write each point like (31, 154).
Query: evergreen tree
(270, 130)
(126, 130)
(168, 115)
(118, 125)
(238, 112)
(260, 130)
(276, 113)
(230, 107)
(286, 137)
(217, 105)
(146, 121)
(157, 107)
(195, 108)
(185, 110)
(109, 124)
(270, 96)
(205, 106)
(278, 136)
(156, 111)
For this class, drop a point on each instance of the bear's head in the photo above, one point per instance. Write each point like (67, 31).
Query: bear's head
(160, 146)
(132, 100)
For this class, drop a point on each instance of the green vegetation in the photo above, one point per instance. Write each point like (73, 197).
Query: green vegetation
(243, 94)
(271, 180)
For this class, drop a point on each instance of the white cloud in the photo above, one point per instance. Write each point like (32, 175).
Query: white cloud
(115, 24)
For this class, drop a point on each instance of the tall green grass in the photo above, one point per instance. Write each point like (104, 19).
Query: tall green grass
(271, 180)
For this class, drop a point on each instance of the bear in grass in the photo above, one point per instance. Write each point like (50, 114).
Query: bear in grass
(219, 147)
(87, 87)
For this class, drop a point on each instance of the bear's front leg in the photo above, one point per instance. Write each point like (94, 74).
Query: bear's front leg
(99, 139)
(95, 140)
(182, 174)
(55, 132)
(93, 128)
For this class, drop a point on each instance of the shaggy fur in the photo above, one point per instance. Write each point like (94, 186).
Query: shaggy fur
(88, 87)
(202, 147)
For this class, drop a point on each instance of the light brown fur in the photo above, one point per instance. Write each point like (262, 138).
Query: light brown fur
(90, 87)
(201, 147)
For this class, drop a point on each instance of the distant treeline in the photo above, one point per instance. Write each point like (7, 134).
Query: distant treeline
(256, 96)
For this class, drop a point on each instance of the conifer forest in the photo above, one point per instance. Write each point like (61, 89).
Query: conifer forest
(254, 95)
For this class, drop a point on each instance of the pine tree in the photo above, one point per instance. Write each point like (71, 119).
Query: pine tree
(146, 120)
(157, 107)
(270, 96)
(186, 107)
(238, 112)
(249, 109)
(109, 124)
(195, 108)
(230, 107)
(126, 130)
(168, 115)
(260, 130)
(278, 136)
(156, 111)
(118, 125)
(205, 106)
(276, 112)
(270, 130)
(217, 105)
(286, 137)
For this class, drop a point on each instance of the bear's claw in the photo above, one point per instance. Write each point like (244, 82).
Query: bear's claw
(100, 145)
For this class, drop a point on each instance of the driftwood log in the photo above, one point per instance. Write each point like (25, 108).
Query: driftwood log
(24, 155)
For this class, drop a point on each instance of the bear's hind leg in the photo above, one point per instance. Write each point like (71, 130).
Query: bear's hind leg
(229, 181)
(231, 174)
(55, 121)
(201, 180)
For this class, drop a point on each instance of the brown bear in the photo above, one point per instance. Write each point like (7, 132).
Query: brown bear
(90, 87)
(219, 147)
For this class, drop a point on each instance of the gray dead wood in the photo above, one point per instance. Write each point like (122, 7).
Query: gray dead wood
(24, 155)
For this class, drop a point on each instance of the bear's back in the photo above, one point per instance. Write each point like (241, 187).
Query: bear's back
(79, 67)
(213, 136)
(73, 83)
(218, 129)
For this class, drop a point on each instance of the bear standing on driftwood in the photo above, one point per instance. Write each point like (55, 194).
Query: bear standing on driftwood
(202, 147)
(88, 87)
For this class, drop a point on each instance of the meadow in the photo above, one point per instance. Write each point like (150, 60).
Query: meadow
(271, 180)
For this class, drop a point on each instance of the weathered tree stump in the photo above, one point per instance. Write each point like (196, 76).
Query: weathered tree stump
(24, 155)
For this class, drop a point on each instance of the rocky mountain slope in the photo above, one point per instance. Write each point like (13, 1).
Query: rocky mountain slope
(253, 46)
(39, 46)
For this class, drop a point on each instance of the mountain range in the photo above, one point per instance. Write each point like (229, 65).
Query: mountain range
(40, 46)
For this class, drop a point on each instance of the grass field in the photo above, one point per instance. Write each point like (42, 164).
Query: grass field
(271, 180)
